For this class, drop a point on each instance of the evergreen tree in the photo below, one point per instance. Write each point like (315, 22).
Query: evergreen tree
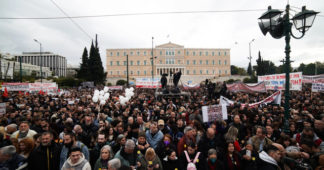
(84, 67)
(96, 69)
(259, 69)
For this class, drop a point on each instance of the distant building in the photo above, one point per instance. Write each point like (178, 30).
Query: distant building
(9, 68)
(56, 63)
(71, 71)
(196, 64)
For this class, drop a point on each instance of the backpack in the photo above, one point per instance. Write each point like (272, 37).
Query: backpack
(191, 164)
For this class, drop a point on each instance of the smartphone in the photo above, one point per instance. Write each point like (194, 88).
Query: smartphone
(248, 153)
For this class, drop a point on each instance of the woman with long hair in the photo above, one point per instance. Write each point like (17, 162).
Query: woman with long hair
(25, 147)
(150, 161)
(232, 158)
(231, 135)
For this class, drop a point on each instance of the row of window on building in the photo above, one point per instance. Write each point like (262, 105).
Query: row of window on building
(172, 53)
(201, 72)
(171, 61)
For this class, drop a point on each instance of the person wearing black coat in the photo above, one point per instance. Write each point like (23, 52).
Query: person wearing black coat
(249, 158)
(210, 140)
(164, 146)
(170, 161)
(46, 156)
(269, 158)
(212, 162)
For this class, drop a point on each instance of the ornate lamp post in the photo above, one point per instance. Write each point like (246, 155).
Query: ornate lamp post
(41, 59)
(272, 22)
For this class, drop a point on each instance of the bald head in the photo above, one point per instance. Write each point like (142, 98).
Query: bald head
(210, 133)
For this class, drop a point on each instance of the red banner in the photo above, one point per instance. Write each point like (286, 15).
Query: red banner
(241, 87)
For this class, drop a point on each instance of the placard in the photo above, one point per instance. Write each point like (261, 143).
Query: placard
(277, 81)
(214, 112)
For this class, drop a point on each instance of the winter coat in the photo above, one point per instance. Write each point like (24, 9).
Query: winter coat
(218, 165)
(82, 164)
(100, 164)
(267, 162)
(154, 140)
(145, 163)
(170, 164)
(41, 156)
(161, 149)
(232, 163)
(16, 162)
(65, 150)
(128, 159)
(250, 164)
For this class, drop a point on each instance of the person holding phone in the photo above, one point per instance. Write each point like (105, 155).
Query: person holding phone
(249, 157)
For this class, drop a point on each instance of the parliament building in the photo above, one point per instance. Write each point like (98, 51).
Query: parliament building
(196, 64)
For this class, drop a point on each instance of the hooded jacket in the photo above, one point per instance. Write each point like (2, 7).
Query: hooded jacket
(82, 164)
(267, 162)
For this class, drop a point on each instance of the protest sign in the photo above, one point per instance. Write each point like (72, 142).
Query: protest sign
(15, 86)
(42, 86)
(318, 87)
(241, 87)
(277, 81)
(191, 86)
(2, 108)
(115, 87)
(313, 79)
(147, 83)
(214, 112)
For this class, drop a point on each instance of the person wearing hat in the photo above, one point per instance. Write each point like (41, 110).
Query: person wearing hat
(10, 160)
(141, 143)
(162, 127)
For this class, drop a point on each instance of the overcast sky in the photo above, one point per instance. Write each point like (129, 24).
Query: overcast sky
(192, 30)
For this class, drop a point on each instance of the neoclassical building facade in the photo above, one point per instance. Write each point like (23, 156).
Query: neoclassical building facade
(194, 63)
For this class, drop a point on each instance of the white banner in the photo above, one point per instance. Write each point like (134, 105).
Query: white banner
(225, 101)
(318, 87)
(115, 87)
(15, 86)
(214, 112)
(2, 108)
(147, 83)
(42, 86)
(277, 81)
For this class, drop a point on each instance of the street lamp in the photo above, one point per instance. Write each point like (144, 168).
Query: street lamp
(272, 22)
(152, 58)
(40, 55)
(250, 64)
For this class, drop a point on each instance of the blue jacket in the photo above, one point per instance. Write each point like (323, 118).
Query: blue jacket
(65, 150)
(154, 140)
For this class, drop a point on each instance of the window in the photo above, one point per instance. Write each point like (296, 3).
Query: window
(179, 52)
(187, 52)
(131, 63)
(187, 71)
(160, 61)
(138, 62)
(117, 72)
(117, 63)
(117, 53)
(167, 61)
(111, 53)
(219, 53)
(200, 62)
(194, 72)
(206, 71)
(206, 53)
(179, 61)
(225, 53)
(167, 53)
(213, 62)
(220, 71)
(213, 71)
(145, 72)
(194, 62)
(160, 52)
(225, 62)
(201, 71)
(213, 53)
(138, 53)
(125, 54)
(188, 62)
(219, 62)
(111, 63)
(125, 72)
(193, 53)
(131, 72)
(206, 62)
(144, 52)
(144, 62)
(125, 63)
(131, 53)
(200, 53)
(138, 73)
(225, 71)
(111, 72)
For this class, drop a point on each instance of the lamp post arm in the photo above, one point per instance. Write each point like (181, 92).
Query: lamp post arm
(291, 33)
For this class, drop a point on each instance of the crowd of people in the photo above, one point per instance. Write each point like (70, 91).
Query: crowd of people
(70, 131)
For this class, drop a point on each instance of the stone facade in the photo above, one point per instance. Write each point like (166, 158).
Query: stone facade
(194, 63)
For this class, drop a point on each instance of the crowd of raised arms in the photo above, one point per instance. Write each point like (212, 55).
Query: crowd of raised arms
(70, 131)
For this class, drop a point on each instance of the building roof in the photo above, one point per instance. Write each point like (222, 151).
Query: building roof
(169, 45)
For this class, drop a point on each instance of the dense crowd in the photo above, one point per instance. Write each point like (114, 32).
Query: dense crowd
(70, 131)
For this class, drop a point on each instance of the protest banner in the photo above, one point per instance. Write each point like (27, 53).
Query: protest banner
(313, 79)
(241, 87)
(277, 81)
(15, 86)
(275, 98)
(2, 108)
(42, 86)
(147, 83)
(318, 87)
(214, 112)
(115, 87)
(191, 86)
